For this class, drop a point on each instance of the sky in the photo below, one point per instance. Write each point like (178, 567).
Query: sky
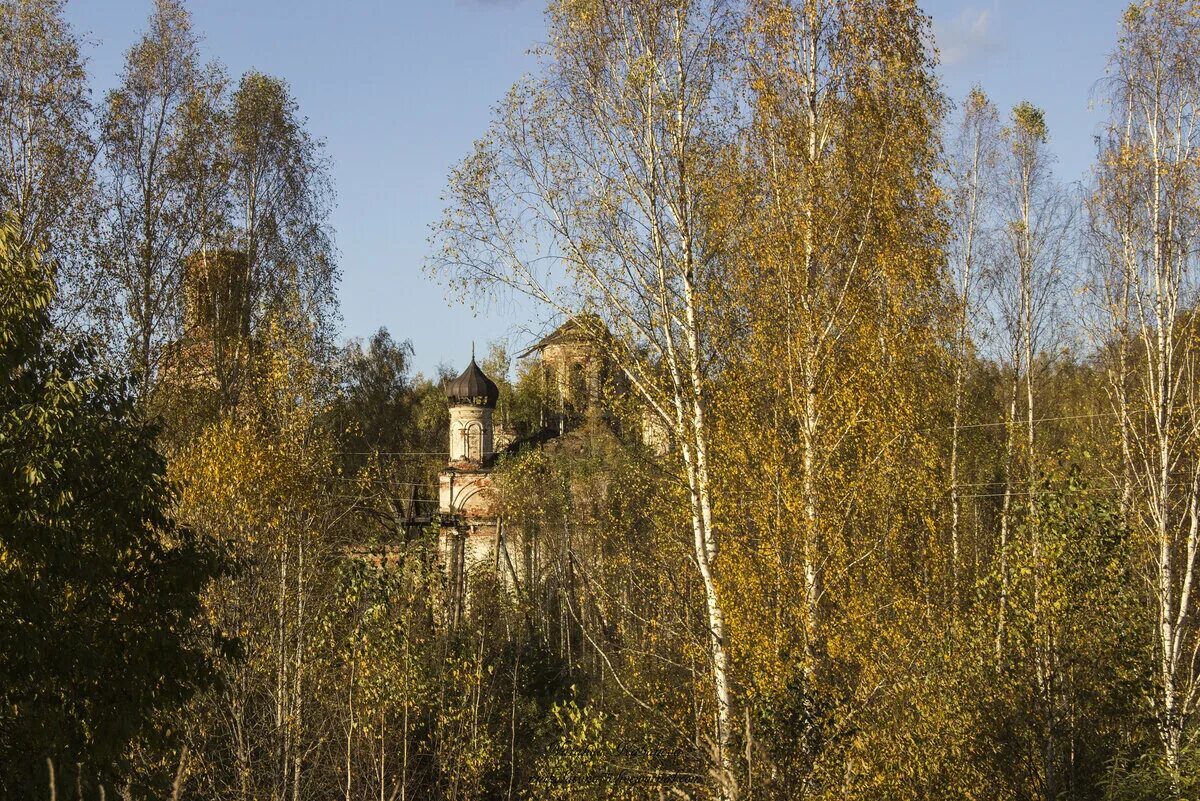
(399, 89)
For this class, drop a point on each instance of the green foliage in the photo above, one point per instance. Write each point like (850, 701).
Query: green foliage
(1149, 778)
(1073, 675)
(1029, 121)
(378, 673)
(585, 762)
(374, 410)
(98, 587)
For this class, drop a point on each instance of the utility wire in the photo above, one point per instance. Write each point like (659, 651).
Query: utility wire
(393, 453)
(384, 482)
(1051, 492)
(1037, 420)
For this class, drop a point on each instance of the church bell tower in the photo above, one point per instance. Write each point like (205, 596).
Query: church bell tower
(472, 398)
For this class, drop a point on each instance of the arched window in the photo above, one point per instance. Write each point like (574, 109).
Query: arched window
(474, 442)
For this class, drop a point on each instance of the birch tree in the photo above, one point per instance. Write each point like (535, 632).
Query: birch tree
(843, 285)
(839, 320)
(152, 225)
(258, 479)
(587, 194)
(1149, 176)
(47, 146)
(1036, 226)
(1113, 223)
(280, 194)
(971, 174)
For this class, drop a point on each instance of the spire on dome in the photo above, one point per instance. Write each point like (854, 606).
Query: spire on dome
(473, 387)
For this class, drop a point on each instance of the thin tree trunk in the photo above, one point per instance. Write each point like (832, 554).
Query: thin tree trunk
(964, 299)
(1006, 519)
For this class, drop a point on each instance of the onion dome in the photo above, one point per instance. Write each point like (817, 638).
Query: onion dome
(473, 388)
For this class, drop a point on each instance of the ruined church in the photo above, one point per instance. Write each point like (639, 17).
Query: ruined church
(472, 530)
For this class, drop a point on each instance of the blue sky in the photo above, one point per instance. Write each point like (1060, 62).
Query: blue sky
(398, 91)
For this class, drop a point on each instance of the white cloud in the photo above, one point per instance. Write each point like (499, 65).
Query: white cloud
(971, 35)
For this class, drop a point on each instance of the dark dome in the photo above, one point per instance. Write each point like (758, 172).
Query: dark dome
(473, 387)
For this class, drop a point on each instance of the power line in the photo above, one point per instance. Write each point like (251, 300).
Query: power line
(1037, 420)
(1024, 493)
(393, 453)
(1001, 482)
(367, 498)
(384, 482)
